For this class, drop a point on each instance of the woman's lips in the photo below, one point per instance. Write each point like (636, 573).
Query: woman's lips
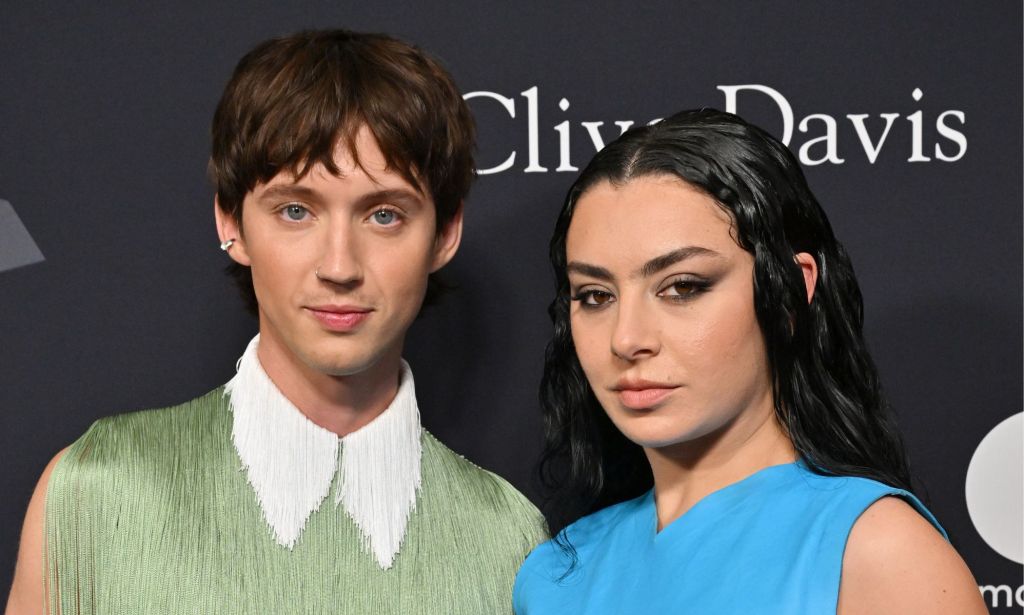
(640, 399)
(340, 319)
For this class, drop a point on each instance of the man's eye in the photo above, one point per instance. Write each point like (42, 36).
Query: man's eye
(385, 217)
(295, 212)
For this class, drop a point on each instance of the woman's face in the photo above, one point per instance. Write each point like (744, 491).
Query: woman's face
(662, 313)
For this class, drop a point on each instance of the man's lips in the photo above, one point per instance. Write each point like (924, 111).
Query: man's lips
(339, 317)
(642, 394)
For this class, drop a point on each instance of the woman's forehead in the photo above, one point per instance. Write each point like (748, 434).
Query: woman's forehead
(643, 217)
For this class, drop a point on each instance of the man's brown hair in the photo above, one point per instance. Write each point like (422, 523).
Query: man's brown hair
(292, 100)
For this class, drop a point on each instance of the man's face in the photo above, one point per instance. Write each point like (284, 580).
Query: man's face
(340, 263)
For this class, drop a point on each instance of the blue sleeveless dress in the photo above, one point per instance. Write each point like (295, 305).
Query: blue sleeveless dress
(770, 544)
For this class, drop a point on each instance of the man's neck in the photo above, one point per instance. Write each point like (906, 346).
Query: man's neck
(342, 404)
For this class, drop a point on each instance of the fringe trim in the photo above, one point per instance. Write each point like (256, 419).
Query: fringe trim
(380, 473)
(290, 462)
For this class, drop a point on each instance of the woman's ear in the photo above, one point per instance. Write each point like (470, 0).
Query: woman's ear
(230, 233)
(810, 270)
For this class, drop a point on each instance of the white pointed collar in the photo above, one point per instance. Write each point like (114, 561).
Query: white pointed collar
(291, 461)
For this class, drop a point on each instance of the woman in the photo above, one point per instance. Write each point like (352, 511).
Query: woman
(708, 344)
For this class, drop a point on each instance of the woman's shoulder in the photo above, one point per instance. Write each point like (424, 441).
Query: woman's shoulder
(850, 495)
(563, 559)
(615, 523)
(892, 554)
(578, 540)
(895, 562)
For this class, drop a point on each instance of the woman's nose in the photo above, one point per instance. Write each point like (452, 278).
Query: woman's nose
(636, 331)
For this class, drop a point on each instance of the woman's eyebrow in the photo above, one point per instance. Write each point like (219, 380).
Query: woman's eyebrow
(592, 271)
(651, 267)
(668, 259)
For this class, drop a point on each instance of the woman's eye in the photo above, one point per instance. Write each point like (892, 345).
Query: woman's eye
(295, 213)
(593, 298)
(684, 289)
(385, 217)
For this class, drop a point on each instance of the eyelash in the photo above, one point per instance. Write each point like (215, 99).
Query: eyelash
(692, 289)
(391, 210)
(584, 295)
(283, 213)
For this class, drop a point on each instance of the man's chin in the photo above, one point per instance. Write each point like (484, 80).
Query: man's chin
(341, 362)
(341, 356)
(342, 371)
(337, 367)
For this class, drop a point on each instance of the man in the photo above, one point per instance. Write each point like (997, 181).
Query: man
(306, 484)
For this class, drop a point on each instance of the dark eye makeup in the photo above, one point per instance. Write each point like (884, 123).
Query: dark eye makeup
(684, 288)
(680, 289)
(593, 298)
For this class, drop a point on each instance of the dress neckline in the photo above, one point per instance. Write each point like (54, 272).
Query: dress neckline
(722, 498)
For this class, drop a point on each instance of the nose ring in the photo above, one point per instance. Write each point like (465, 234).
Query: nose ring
(317, 274)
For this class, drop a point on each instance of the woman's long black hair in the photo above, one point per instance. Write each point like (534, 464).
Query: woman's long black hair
(826, 388)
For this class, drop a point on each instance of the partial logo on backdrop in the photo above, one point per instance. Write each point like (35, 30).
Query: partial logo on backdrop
(938, 138)
(995, 488)
(17, 248)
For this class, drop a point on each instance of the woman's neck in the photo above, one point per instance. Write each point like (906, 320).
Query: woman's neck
(686, 472)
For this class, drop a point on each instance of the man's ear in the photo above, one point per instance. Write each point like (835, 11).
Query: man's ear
(446, 244)
(810, 270)
(229, 230)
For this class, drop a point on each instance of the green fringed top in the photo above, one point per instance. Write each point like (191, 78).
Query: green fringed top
(151, 512)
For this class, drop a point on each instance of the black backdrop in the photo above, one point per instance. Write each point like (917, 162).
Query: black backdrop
(104, 115)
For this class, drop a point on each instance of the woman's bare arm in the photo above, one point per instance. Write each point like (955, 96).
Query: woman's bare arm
(897, 563)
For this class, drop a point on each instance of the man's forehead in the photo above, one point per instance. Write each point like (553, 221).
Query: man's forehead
(359, 160)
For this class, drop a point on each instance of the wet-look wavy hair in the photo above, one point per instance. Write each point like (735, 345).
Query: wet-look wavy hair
(827, 393)
(292, 100)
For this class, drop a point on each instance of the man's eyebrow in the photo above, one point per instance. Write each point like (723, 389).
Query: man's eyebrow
(288, 191)
(392, 195)
(296, 191)
(668, 259)
(649, 268)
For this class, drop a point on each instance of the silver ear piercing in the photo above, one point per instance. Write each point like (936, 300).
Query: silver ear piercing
(224, 245)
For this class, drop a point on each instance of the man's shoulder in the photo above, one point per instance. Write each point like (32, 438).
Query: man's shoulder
(144, 431)
(476, 490)
(153, 421)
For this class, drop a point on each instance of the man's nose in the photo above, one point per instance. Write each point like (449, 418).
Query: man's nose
(340, 262)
